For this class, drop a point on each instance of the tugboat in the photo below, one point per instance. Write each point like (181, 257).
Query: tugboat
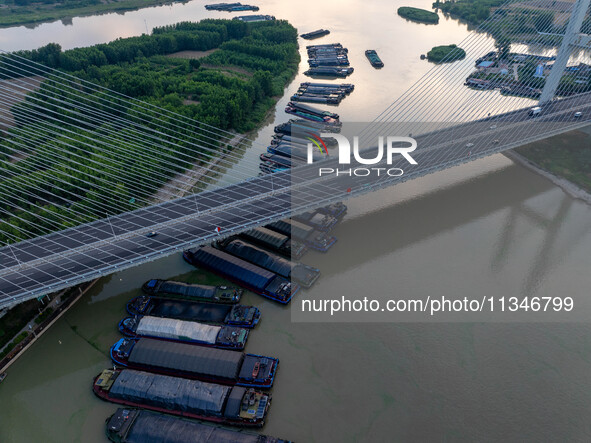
(374, 59)
(315, 34)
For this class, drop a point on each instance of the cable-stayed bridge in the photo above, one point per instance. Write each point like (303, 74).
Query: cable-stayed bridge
(450, 129)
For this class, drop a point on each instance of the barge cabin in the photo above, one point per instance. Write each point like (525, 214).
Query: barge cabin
(317, 219)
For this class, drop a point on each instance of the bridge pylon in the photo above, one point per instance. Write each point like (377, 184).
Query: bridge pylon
(573, 38)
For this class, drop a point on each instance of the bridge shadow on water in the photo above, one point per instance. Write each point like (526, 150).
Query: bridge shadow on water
(411, 221)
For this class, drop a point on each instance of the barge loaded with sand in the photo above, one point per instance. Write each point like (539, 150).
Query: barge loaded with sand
(229, 405)
(236, 315)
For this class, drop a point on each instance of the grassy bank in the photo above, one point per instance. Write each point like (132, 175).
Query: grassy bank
(418, 15)
(24, 14)
(445, 54)
(566, 155)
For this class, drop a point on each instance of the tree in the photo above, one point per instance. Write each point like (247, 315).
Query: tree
(503, 46)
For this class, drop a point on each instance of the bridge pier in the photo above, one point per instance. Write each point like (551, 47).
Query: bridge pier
(572, 39)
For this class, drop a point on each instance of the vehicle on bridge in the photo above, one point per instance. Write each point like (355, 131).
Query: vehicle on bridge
(535, 111)
(223, 337)
(195, 362)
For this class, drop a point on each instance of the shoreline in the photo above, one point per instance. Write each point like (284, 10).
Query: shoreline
(55, 15)
(45, 328)
(567, 186)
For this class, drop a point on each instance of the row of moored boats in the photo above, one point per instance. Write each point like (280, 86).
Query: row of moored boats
(183, 353)
(183, 350)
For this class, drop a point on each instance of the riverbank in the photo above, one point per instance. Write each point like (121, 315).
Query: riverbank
(58, 307)
(562, 159)
(33, 15)
(567, 186)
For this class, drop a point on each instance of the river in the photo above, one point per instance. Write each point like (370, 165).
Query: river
(488, 227)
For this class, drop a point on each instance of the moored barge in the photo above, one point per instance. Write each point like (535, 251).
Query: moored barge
(213, 294)
(284, 245)
(315, 34)
(236, 315)
(252, 277)
(337, 210)
(329, 71)
(195, 362)
(255, 18)
(294, 152)
(312, 114)
(319, 241)
(317, 219)
(141, 426)
(230, 405)
(303, 274)
(223, 337)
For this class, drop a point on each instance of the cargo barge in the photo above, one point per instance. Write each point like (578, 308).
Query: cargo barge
(374, 59)
(318, 220)
(237, 315)
(326, 45)
(319, 241)
(316, 98)
(231, 7)
(213, 294)
(302, 127)
(229, 405)
(298, 140)
(315, 34)
(255, 18)
(329, 71)
(278, 160)
(328, 61)
(337, 210)
(271, 168)
(142, 426)
(305, 275)
(312, 114)
(195, 362)
(252, 277)
(274, 241)
(223, 337)
(346, 87)
(295, 152)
